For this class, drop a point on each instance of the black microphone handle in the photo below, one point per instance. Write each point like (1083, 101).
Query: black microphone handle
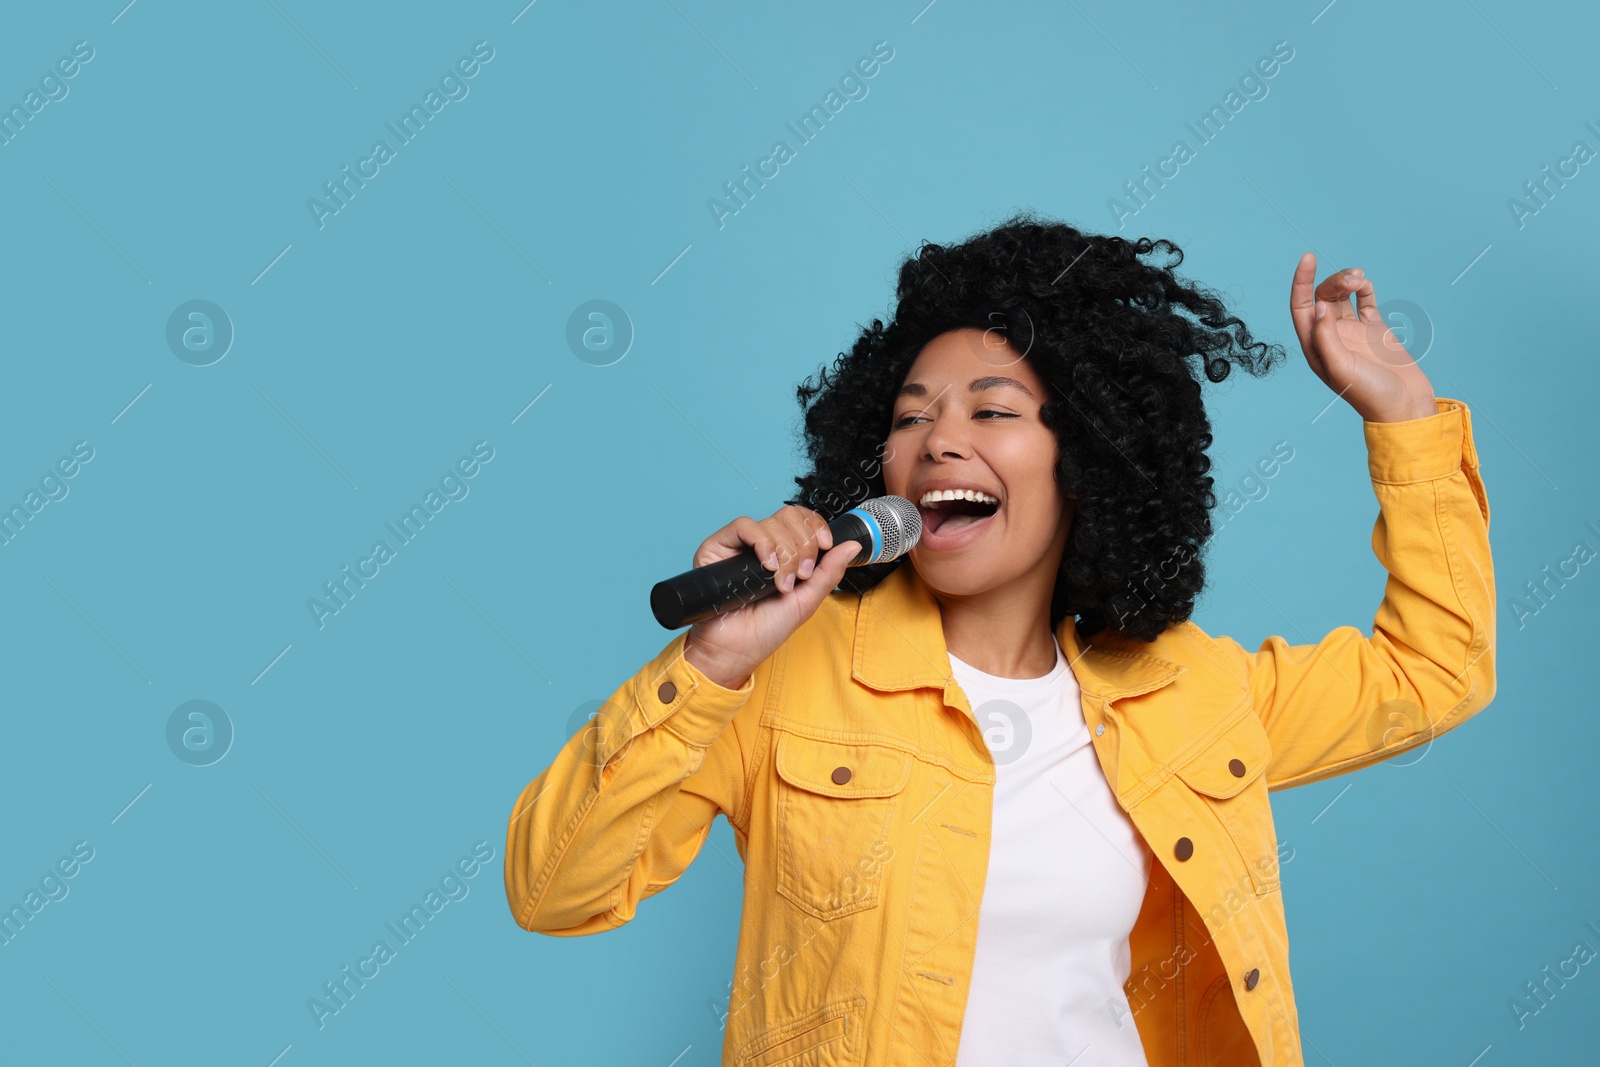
(731, 583)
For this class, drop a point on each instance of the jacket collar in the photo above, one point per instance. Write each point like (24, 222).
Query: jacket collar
(899, 644)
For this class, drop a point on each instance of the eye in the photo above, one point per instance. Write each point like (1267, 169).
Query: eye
(907, 420)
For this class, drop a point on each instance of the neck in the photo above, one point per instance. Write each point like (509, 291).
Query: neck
(1003, 631)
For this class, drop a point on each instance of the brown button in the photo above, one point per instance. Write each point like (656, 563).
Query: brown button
(667, 692)
(841, 775)
(1237, 767)
(1252, 978)
(1184, 848)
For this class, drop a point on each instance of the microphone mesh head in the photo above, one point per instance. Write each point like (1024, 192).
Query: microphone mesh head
(900, 522)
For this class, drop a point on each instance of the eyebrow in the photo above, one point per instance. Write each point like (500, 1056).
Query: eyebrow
(993, 381)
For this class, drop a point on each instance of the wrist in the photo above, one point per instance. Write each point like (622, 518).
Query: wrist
(1418, 409)
(726, 675)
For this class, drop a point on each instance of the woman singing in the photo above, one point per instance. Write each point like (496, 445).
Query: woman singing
(1000, 802)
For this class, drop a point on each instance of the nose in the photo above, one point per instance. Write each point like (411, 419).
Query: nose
(946, 437)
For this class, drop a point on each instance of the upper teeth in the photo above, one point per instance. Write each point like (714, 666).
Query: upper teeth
(937, 495)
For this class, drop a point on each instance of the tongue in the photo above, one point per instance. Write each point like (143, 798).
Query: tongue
(959, 520)
(955, 516)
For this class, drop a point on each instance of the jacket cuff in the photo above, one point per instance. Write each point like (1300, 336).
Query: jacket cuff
(673, 691)
(1420, 450)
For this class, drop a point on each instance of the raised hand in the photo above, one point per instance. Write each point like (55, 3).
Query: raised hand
(1352, 350)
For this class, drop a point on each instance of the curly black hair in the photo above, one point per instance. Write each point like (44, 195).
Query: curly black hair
(1112, 337)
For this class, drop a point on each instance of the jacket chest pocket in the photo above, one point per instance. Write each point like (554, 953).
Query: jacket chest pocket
(836, 804)
(1229, 778)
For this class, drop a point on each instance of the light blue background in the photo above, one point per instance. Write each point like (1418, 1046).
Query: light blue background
(429, 312)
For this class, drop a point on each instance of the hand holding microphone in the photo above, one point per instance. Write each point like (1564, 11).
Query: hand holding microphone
(754, 583)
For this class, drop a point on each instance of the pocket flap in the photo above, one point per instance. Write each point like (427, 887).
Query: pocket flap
(831, 1034)
(1235, 759)
(818, 767)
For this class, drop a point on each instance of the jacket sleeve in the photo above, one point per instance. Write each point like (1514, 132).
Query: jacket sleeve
(1350, 700)
(628, 801)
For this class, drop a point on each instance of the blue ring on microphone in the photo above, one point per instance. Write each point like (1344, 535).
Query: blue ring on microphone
(875, 530)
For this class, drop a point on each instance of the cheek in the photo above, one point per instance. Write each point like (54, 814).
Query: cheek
(894, 479)
(1037, 517)
(1028, 471)
(1036, 508)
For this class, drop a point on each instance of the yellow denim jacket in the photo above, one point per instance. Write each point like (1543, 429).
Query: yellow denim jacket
(859, 789)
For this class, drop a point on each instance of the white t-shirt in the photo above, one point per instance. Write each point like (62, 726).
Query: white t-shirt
(1067, 877)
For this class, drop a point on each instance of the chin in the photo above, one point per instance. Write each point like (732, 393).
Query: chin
(955, 577)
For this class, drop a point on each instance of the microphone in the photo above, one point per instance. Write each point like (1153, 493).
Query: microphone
(886, 528)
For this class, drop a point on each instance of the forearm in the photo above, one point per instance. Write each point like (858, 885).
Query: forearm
(1437, 617)
(609, 817)
(1350, 699)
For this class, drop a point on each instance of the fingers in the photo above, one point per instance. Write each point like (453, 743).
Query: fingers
(819, 540)
(808, 533)
(1337, 287)
(796, 530)
(1301, 302)
(831, 567)
(835, 561)
(1366, 298)
(734, 538)
(791, 537)
(787, 543)
(1316, 312)
(809, 593)
(1325, 344)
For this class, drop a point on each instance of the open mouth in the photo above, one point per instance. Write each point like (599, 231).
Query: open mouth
(950, 516)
